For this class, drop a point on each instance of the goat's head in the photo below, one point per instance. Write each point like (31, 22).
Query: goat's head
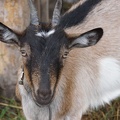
(44, 52)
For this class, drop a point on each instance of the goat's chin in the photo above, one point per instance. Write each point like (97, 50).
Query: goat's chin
(42, 103)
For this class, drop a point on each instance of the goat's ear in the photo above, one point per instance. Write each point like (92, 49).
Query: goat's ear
(7, 35)
(86, 39)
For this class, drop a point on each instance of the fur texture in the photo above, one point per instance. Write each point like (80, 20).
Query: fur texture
(64, 77)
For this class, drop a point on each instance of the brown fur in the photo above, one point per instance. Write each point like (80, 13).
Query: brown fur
(17, 92)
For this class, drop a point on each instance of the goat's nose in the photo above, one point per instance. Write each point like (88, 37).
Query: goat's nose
(44, 94)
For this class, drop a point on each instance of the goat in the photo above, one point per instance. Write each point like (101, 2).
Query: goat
(72, 65)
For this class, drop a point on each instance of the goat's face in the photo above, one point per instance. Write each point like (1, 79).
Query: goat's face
(43, 55)
(42, 59)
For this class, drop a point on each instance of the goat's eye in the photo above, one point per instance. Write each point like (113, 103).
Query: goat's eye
(23, 52)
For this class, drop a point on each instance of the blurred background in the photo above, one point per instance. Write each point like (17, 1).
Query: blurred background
(16, 15)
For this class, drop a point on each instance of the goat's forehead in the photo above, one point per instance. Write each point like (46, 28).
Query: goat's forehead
(44, 40)
(44, 33)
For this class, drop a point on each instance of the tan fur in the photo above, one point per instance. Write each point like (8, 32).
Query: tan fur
(106, 18)
(76, 5)
(68, 90)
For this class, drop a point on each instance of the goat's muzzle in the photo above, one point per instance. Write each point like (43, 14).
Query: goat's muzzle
(43, 97)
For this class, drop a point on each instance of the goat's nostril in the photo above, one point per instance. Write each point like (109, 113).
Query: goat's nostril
(44, 94)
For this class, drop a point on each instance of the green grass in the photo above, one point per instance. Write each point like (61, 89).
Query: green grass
(11, 110)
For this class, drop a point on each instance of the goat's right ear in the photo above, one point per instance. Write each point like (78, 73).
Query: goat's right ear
(7, 35)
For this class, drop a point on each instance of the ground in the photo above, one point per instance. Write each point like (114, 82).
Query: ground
(11, 110)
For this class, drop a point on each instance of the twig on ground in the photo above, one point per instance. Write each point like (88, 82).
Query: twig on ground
(13, 106)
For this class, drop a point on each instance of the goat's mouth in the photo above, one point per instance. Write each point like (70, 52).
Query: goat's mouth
(42, 102)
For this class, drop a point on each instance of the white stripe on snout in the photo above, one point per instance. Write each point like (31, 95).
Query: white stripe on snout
(45, 34)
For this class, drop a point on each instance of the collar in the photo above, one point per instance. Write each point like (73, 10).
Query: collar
(22, 77)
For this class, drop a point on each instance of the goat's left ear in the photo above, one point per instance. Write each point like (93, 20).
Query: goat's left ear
(86, 39)
(7, 35)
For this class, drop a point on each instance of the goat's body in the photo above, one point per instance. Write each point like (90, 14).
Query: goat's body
(91, 76)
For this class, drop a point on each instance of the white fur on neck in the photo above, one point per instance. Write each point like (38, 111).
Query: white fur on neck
(109, 79)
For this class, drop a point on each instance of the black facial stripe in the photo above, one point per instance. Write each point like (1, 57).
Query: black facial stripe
(50, 60)
(79, 14)
(45, 80)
